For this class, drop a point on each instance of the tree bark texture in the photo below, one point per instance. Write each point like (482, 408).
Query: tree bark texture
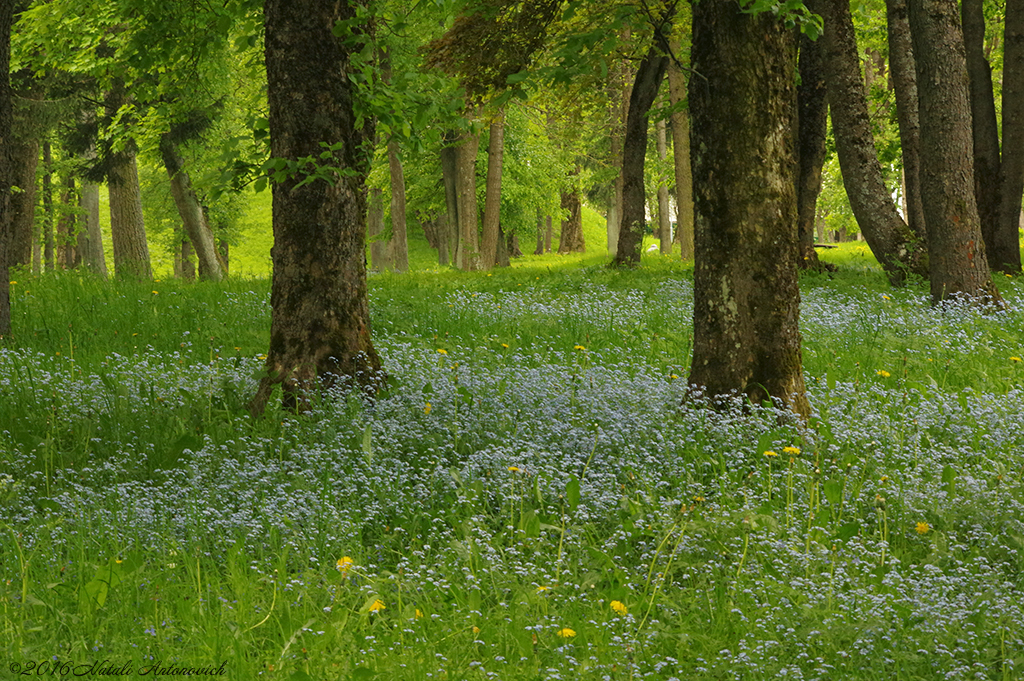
(190, 210)
(449, 174)
(680, 123)
(380, 248)
(812, 119)
(664, 220)
(746, 298)
(127, 230)
(399, 232)
(904, 82)
(320, 319)
(90, 238)
(24, 160)
(956, 250)
(634, 152)
(1005, 255)
(465, 183)
(888, 236)
(48, 239)
(67, 255)
(984, 128)
(571, 238)
(6, 163)
(492, 196)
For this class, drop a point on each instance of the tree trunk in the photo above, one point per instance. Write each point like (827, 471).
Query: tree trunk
(571, 238)
(548, 234)
(888, 236)
(224, 254)
(48, 240)
(127, 231)
(185, 270)
(380, 248)
(540, 233)
(746, 298)
(67, 255)
(681, 157)
(190, 210)
(634, 153)
(619, 96)
(664, 221)
(6, 167)
(502, 258)
(449, 173)
(1006, 248)
(812, 121)
(25, 159)
(465, 176)
(956, 250)
(983, 122)
(90, 237)
(492, 199)
(904, 81)
(320, 319)
(399, 233)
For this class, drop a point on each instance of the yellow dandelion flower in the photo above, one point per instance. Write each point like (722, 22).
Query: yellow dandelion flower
(542, 589)
(791, 450)
(674, 376)
(419, 615)
(566, 632)
(505, 345)
(515, 469)
(698, 499)
(155, 292)
(578, 347)
(1015, 359)
(377, 606)
(427, 408)
(344, 565)
(884, 478)
(771, 455)
(476, 630)
(619, 607)
(883, 373)
(442, 351)
(922, 527)
(13, 283)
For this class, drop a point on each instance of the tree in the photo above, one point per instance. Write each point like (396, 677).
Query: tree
(199, 233)
(746, 298)
(680, 124)
(1006, 244)
(6, 125)
(812, 119)
(956, 251)
(320, 320)
(492, 196)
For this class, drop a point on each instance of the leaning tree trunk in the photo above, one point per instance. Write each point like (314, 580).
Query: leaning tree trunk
(320, 319)
(680, 124)
(492, 195)
(956, 250)
(746, 298)
(190, 210)
(465, 183)
(634, 152)
(6, 125)
(127, 230)
(904, 85)
(812, 120)
(1006, 255)
(890, 239)
(985, 130)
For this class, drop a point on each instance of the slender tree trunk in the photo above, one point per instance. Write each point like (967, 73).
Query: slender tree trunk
(449, 175)
(904, 81)
(469, 221)
(399, 233)
(571, 238)
(185, 269)
(127, 231)
(889, 237)
(380, 249)
(25, 159)
(620, 89)
(492, 199)
(48, 221)
(190, 210)
(983, 122)
(540, 233)
(548, 234)
(6, 167)
(681, 157)
(90, 237)
(664, 221)
(812, 118)
(746, 298)
(320, 319)
(67, 254)
(634, 152)
(1006, 253)
(956, 250)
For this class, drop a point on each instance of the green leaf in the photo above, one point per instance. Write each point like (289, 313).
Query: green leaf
(833, 491)
(949, 479)
(572, 493)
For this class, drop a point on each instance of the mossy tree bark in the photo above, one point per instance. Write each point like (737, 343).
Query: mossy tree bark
(320, 321)
(746, 298)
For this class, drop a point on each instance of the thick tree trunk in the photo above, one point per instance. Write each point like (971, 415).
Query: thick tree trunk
(6, 167)
(746, 298)
(983, 122)
(889, 237)
(492, 197)
(127, 231)
(25, 159)
(48, 221)
(664, 220)
(190, 210)
(380, 248)
(680, 122)
(465, 177)
(904, 82)
(399, 233)
(320, 320)
(956, 250)
(1006, 253)
(571, 238)
(634, 153)
(812, 118)
(90, 237)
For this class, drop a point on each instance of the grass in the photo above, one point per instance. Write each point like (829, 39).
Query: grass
(530, 499)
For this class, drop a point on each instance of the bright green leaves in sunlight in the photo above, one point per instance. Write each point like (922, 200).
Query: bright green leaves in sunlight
(793, 12)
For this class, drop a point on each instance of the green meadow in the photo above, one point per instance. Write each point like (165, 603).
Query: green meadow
(532, 497)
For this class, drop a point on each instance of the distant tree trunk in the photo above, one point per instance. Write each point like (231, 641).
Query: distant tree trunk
(90, 238)
(571, 237)
(469, 237)
(746, 298)
(320, 319)
(1006, 254)
(224, 254)
(540, 233)
(184, 269)
(634, 153)
(889, 237)
(25, 159)
(956, 250)
(548, 234)
(48, 240)
(502, 258)
(619, 96)
(399, 233)
(190, 210)
(984, 127)
(512, 246)
(812, 119)
(492, 199)
(904, 81)
(67, 255)
(6, 167)
(664, 221)
(380, 248)
(681, 157)
(127, 231)
(449, 173)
